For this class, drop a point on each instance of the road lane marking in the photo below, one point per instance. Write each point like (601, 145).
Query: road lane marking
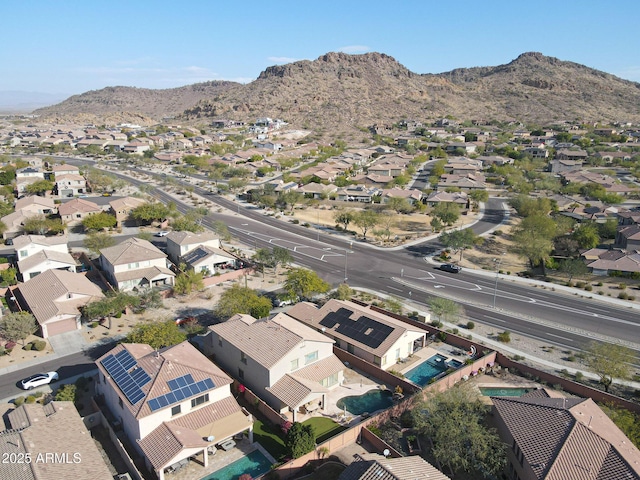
(563, 338)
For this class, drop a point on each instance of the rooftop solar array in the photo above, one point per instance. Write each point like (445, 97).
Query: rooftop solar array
(181, 389)
(364, 330)
(130, 382)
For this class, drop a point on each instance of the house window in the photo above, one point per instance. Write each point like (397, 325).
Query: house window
(330, 380)
(219, 341)
(199, 400)
(350, 348)
(243, 358)
(310, 357)
(175, 410)
(131, 266)
(384, 360)
(377, 360)
(120, 403)
(397, 353)
(241, 374)
(23, 253)
(294, 364)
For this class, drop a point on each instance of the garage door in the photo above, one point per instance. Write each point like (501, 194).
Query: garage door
(61, 326)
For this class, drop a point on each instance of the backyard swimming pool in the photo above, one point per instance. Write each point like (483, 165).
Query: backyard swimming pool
(427, 370)
(369, 402)
(504, 391)
(254, 464)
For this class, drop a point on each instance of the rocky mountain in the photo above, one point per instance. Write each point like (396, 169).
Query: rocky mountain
(344, 92)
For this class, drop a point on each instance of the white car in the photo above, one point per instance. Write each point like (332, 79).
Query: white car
(38, 380)
(162, 233)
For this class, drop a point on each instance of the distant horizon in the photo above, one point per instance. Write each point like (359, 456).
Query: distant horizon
(58, 48)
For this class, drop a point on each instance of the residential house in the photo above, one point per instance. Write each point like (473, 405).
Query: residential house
(36, 205)
(372, 466)
(552, 437)
(293, 371)
(54, 298)
(317, 190)
(610, 184)
(37, 253)
(122, 208)
(629, 237)
(136, 147)
(172, 403)
(209, 260)
(468, 182)
(65, 169)
(181, 243)
(466, 147)
(135, 263)
(375, 337)
(560, 166)
(69, 185)
(56, 441)
(614, 261)
(488, 160)
(537, 152)
(566, 154)
(27, 176)
(611, 156)
(75, 211)
(459, 198)
(413, 196)
(358, 193)
(628, 217)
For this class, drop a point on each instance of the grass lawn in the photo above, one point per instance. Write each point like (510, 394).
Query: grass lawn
(324, 428)
(269, 439)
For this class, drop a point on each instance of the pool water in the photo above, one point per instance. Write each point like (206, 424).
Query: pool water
(454, 363)
(369, 402)
(254, 464)
(431, 368)
(504, 392)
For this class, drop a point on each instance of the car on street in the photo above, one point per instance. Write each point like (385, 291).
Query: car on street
(38, 380)
(162, 233)
(450, 267)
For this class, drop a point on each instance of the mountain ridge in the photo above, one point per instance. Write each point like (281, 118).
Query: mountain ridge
(346, 92)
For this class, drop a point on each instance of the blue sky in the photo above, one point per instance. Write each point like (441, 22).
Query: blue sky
(71, 46)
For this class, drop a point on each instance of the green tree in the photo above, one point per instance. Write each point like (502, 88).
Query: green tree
(239, 299)
(149, 212)
(478, 196)
(67, 393)
(280, 256)
(533, 239)
(99, 221)
(458, 240)
(157, 334)
(399, 204)
(443, 308)
(300, 440)
(609, 361)
(587, 235)
(113, 304)
(289, 198)
(190, 222)
(220, 228)
(188, 281)
(8, 277)
(41, 225)
(527, 206)
(39, 187)
(97, 241)
(17, 326)
(573, 267)
(304, 283)
(344, 292)
(344, 218)
(625, 420)
(366, 220)
(454, 420)
(446, 212)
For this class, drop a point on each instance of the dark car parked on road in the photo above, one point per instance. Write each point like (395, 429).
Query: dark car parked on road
(450, 267)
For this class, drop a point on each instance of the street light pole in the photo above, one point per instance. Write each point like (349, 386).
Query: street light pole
(495, 287)
(346, 254)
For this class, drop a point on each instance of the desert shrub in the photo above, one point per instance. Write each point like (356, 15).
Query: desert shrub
(30, 399)
(39, 345)
(622, 286)
(442, 336)
(436, 323)
(504, 337)
(623, 295)
(28, 346)
(588, 287)
(471, 325)
(579, 376)
(19, 401)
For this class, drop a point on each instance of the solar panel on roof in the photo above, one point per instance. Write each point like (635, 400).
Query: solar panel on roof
(181, 388)
(117, 367)
(364, 330)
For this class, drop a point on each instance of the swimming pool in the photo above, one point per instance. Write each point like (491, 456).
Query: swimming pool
(430, 368)
(504, 391)
(453, 363)
(369, 402)
(254, 464)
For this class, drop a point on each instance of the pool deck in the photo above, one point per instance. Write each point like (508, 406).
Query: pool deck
(452, 353)
(194, 470)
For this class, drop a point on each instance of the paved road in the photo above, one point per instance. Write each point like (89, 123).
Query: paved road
(557, 318)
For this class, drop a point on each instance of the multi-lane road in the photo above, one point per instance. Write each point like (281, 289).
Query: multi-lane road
(555, 317)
